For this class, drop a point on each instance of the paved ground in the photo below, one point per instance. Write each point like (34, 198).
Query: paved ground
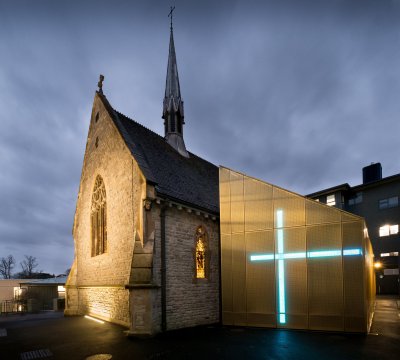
(39, 336)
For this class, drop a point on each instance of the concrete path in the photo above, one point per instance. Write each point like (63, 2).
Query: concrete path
(51, 336)
(386, 320)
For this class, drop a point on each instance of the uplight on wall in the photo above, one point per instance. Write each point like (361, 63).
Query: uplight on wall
(94, 319)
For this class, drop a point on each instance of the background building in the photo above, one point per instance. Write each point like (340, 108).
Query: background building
(377, 200)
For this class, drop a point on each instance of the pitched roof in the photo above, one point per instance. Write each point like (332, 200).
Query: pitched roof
(193, 180)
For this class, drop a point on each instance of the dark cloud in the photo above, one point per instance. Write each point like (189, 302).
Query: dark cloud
(302, 94)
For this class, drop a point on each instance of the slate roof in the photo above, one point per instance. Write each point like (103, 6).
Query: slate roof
(192, 181)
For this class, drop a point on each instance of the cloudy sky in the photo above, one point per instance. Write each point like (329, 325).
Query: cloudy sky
(301, 94)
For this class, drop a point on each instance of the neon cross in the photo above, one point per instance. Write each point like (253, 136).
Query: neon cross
(281, 256)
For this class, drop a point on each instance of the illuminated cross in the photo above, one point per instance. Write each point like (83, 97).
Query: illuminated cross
(281, 256)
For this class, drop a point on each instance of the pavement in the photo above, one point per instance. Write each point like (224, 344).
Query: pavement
(50, 335)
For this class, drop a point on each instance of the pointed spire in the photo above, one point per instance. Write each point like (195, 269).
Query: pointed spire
(173, 113)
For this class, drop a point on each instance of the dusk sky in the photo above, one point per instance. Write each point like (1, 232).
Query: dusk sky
(301, 94)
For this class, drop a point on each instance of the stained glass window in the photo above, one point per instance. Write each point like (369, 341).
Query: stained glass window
(99, 218)
(200, 253)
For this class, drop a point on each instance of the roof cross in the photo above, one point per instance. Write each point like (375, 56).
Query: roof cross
(170, 15)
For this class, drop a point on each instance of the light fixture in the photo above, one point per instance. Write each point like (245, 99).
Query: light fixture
(378, 265)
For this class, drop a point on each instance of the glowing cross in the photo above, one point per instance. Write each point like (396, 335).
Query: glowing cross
(281, 256)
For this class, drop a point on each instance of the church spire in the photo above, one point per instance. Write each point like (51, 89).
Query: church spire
(173, 114)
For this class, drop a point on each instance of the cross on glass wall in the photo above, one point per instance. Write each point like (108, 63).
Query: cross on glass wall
(281, 256)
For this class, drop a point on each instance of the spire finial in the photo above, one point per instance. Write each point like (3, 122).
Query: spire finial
(100, 83)
(170, 15)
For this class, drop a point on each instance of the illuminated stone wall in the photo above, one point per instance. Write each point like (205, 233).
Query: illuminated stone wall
(290, 262)
(190, 301)
(125, 190)
(123, 285)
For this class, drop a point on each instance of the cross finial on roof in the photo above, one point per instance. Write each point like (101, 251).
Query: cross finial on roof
(170, 15)
(100, 83)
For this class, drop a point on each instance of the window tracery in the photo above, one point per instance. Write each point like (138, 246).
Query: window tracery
(99, 218)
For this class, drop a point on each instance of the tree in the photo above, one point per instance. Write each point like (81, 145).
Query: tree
(28, 265)
(6, 266)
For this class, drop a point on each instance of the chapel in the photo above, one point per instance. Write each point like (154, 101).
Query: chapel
(146, 226)
(166, 240)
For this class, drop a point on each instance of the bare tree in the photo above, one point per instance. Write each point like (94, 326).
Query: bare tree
(6, 266)
(28, 266)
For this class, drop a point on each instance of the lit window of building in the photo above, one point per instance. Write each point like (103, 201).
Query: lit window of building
(394, 229)
(389, 202)
(330, 200)
(387, 230)
(394, 253)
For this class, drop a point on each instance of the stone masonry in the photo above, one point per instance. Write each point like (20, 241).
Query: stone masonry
(123, 285)
(105, 276)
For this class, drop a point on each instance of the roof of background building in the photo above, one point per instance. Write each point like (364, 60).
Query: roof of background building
(347, 187)
(190, 180)
(59, 280)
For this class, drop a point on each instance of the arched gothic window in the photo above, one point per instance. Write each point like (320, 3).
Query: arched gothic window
(99, 218)
(200, 256)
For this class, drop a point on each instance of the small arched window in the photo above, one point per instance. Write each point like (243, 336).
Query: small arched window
(99, 218)
(201, 254)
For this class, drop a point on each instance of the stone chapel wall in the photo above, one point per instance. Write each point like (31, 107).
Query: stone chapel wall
(99, 286)
(190, 301)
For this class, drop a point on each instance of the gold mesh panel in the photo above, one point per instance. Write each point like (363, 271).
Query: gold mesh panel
(292, 205)
(226, 272)
(295, 279)
(325, 278)
(260, 279)
(319, 214)
(258, 205)
(353, 270)
(237, 203)
(369, 273)
(239, 278)
(324, 237)
(349, 217)
(225, 201)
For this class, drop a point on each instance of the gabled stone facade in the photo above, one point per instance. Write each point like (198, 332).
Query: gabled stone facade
(146, 279)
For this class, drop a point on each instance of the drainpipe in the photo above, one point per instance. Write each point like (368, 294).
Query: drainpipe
(163, 272)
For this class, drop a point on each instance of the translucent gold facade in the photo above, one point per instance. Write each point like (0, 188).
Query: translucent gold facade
(291, 262)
